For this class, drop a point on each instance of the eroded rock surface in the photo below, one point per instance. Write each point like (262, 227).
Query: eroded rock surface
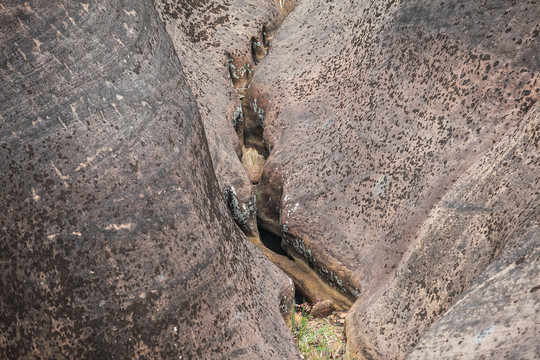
(219, 44)
(490, 217)
(115, 242)
(497, 317)
(376, 115)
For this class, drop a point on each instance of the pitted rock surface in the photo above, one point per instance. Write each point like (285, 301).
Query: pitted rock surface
(373, 111)
(214, 41)
(489, 218)
(113, 244)
(497, 317)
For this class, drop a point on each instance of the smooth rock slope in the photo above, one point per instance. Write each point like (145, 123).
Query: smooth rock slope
(115, 239)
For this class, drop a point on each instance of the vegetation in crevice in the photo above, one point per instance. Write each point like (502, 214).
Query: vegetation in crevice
(318, 338)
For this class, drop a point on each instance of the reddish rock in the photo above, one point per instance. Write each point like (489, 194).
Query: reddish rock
(497, 317)
(378, 115)
(488, 219)
(115, 241)
(322, 308)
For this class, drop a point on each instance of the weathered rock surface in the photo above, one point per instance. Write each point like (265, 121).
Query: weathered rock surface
(491, 215)
(114, 240)
(219, 43)
(497, 317)
(376, 115)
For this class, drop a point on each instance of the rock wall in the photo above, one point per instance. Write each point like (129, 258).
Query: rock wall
(375, 114)
(115, 240)
(473, 240)
(497, 317)
(219, 44)
(402, 174)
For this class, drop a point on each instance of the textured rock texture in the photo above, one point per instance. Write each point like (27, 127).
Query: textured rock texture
(489, 217)
(219, 44)
(497, 318)
(377, 115)
(115, 242)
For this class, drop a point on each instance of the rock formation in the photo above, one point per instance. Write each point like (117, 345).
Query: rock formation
(115, 240)
(378, 116)
(399, 147)
(497, 317)
(479, 234)
(253, 163)
(219, 44)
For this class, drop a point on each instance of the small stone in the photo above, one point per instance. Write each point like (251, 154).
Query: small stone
(322, 308)
(253, 163)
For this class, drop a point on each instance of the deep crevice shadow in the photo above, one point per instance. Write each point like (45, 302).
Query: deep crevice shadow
(272, 242)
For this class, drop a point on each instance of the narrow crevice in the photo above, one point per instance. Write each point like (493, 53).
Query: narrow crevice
(258, 50)
(299, 297)
(254, 126)
(248, 122)
(238, 125)
(239, 74)
(265, 38)
(272, 242)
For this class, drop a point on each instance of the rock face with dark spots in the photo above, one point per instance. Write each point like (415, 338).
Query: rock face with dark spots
(378, 116)
(497, 317)
(216, 42)
(478, 233)
(115, 239)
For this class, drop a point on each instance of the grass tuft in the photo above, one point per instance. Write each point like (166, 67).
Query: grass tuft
(317, 338)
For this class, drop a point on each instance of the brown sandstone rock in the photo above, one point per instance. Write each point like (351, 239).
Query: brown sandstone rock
(376, 114)
(253, 163)
(216, 43)
(490, 216)
(497, 317)
(114, 240)
(322, 308)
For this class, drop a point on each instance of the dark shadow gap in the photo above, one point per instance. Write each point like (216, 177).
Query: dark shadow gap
(299, 297)
(257, 51)
(272, 242)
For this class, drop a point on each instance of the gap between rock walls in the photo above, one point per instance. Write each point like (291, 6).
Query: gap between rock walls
(248, 122)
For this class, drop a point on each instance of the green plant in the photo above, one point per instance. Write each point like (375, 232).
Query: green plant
(316, 338)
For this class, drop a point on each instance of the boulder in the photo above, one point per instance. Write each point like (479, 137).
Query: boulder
(322, 308)
(377, 116)
(115, 239)
(253, 163)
